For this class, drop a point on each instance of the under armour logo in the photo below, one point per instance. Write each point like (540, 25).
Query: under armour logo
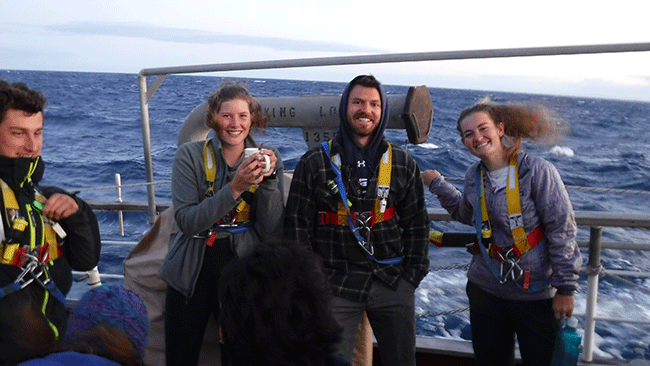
(361, 163)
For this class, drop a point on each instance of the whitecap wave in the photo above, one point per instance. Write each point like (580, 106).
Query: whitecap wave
(562, 151)
(428, 145)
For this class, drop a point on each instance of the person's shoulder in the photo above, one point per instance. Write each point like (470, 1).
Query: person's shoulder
(190, 148)
(69, 358)
(532, 162)
(313, 152)
(398, 152)
(470, 173)
(336, 361)
(192, 145)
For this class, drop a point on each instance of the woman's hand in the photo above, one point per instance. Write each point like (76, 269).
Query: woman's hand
(251, 171)
(428, 176)
(273, 159)
(563, 305)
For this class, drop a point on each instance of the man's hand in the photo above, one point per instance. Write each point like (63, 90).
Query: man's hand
(60, 206)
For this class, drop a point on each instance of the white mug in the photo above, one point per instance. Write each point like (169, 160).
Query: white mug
(250, 151)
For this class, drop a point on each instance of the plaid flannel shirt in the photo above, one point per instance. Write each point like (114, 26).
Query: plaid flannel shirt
(350, 272)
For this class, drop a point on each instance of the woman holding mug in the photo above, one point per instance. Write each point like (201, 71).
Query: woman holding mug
(218, 196)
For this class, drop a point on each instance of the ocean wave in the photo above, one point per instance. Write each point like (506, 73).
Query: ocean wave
(562, 151)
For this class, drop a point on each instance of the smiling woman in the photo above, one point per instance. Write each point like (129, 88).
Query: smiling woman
(217, 214)
(523, 216)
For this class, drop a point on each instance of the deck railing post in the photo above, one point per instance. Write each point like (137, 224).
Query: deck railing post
(593, 269)
(120, 215)
(146, 144)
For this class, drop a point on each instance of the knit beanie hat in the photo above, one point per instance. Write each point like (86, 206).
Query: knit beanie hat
(114, 305)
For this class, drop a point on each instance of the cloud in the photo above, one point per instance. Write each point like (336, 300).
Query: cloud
(192, 36)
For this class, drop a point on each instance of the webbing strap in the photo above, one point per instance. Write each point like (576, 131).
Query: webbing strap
(210, 167)
(383, 183)
(386, 164)
(9, 199)
(344, 198)
(10, 289)
(242, 215)
(484, 228)
(336, 218)
(514, 210)
(10, 253)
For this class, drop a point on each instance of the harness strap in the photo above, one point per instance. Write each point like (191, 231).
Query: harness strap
(240, 219)
(29, 275)
(496, 251)
(210, 167)
(380, 213)
(42, 251)
(515, 217)
(47, 244)
(335, 218)
(522, 242)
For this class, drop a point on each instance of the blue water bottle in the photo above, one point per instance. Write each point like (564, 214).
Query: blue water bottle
(567, 344)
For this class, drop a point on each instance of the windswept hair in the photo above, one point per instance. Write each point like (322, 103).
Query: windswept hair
(229, 90)
(520, 121)
(19, 96)
(275, 308)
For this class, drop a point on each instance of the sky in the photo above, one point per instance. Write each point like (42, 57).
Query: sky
(127, 36)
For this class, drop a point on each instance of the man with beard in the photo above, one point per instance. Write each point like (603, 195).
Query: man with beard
(358, 202)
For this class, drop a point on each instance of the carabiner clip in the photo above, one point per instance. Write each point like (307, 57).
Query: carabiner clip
(514, 265)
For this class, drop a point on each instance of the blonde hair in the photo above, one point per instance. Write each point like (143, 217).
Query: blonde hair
(520, 121)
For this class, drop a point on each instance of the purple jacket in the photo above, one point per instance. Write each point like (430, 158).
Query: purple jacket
(544, 202)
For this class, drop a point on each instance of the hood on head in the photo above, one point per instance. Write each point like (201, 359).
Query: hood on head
(370, 151)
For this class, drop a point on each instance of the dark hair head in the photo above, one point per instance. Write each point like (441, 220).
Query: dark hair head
(520, 121)
(20, 97)
(275, 308)
(109, 342)
(229, 90)
(369, 81)
(32, 323)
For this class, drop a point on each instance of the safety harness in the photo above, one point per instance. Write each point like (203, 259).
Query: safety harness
(511, 255)
(238, 220)
(361, 221)
(35, 257)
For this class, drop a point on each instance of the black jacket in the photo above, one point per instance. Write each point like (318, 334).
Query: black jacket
(82, 245)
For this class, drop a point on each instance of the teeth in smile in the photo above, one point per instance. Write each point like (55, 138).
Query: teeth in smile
(481, 145)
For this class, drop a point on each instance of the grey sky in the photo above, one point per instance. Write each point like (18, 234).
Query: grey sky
(130, 35)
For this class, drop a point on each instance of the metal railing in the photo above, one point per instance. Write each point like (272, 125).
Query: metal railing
(147, 92)
(595, 220)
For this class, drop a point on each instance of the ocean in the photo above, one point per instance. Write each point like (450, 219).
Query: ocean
(93, 131)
